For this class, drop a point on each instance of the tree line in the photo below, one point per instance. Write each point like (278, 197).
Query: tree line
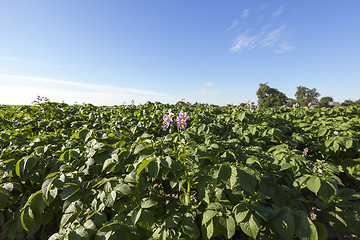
(272, 97)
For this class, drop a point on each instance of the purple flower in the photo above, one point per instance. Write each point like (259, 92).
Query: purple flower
(167, 120)
(286, 125)
(170, 113)
(182, 125)
(182, 117)
(296, 105)
(336, 133)
(305, 152)
(87, 211)
(181, 120)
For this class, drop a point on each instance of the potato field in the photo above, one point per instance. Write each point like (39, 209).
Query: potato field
(178, 171)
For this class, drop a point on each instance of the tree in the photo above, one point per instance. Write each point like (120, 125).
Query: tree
(290, 102)
(270, 97)
(324, 101)
(304, 95)
(347, 102)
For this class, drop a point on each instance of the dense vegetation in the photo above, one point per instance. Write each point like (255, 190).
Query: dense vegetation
(86, 172)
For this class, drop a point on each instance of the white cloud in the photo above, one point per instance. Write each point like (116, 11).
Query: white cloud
(96, 87)
(274, 39)
(234, 23)
(243, 42)
(4, 58)
(278, 11)
(245, 13)
(284, 47)
(24, 89)
(209, 83)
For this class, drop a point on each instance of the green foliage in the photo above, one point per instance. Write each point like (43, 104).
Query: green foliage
(270, 97)
(304, 95)
(86, 172)
(348, 102)
(324, 101)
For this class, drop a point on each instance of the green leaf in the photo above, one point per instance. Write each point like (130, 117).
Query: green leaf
(207, 229)
(75, 235)
(123, 189)
(251, 225)
(37, 205)
(328, 142)
(284, 224)
(154, 168)
(104, 181)
(135, 215)
(19, 167)
(252, 129)
(189, 227)
(349, 143)
(321, 231)
(142, 166)
(208, 215)
(241, 212)
(90, 225)
(108, 163)
(313, 184)
(4, 198)
(27, 218)
(107, 232)
(48, 194)
(31, 162)
(85, 134)
(69, 191)
(305, 228)
(336, 146)
(65, 156)
(147, 203)
(241, 116)
(173, 220)
(142, 146)
(246, 181)
(327, 190)
(108, 198)
(323, 131)
(230, 227)
(224, 174)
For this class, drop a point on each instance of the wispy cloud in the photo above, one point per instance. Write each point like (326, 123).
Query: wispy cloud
(24, 89)
(10, 59)
(278, 11)
(234, 23)
(284, 47)
(84, 86)
(245, 13)
(206, 92)
(274, 39)
(209, 84)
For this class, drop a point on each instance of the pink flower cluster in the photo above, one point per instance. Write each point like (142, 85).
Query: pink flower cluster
(181, 120)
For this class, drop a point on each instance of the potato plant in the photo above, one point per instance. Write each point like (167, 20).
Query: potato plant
(129, 172)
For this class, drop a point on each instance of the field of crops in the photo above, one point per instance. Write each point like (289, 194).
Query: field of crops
(135, 172)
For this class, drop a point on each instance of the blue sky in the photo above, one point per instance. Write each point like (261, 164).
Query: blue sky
(111, 52)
